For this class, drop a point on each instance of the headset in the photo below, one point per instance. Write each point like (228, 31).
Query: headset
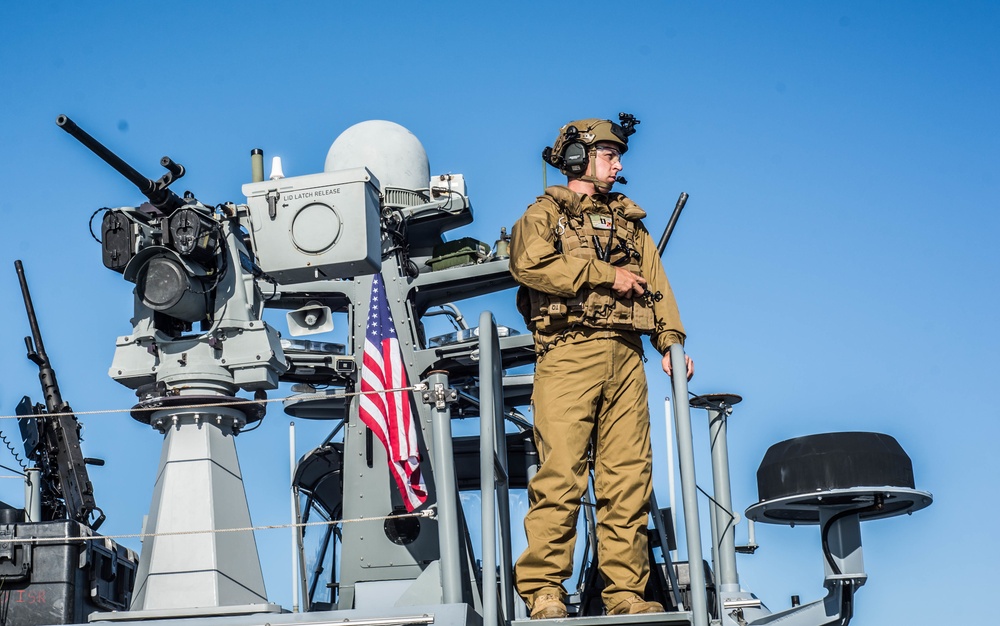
(570, 153)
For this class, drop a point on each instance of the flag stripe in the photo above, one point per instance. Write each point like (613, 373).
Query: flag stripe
(388, 414)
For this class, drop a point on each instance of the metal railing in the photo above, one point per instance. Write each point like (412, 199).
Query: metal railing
(494, 486)
(689, 486)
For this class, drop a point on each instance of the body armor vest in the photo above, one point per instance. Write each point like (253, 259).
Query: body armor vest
(611, 237)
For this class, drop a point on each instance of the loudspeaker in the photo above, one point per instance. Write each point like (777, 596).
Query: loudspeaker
(311, 319)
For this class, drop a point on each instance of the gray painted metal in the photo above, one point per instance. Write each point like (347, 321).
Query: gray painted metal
(493, 477)
(689, 486)
(679, 618)
(661, 532)
(368, 556)
(447, 489)
(199, 487)
(450, 614)
(725, 518)
(33, 494)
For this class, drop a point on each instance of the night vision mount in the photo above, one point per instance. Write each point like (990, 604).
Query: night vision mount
(628, 124)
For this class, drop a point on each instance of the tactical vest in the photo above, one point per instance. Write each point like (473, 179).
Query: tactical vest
(608, 237)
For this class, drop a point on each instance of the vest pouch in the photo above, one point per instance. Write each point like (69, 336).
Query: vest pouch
(523, 302)
(556, 310)
(642, 316)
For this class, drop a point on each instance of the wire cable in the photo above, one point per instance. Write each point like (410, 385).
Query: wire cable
(429, 513)
(225, 403)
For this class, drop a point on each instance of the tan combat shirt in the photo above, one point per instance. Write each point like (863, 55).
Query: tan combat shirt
(536, 264)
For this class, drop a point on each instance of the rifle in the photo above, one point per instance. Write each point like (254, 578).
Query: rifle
(51, 435)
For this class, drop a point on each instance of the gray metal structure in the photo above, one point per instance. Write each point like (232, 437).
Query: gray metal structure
(386, 566)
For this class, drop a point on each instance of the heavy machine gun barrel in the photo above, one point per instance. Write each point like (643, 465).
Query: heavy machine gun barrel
(36, 349)
(57, 431)
(681, 201)
(157, 192)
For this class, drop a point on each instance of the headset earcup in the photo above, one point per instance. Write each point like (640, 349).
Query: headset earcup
(575, 158)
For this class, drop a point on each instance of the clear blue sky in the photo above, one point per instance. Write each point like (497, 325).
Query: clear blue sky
(836, 264)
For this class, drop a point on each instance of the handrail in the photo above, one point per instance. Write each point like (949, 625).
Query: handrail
(494, 487)
(689, 486)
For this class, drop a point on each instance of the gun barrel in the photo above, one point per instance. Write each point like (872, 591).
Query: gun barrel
(36, 333)
(145, 185)
(681, 201)
(47, 375)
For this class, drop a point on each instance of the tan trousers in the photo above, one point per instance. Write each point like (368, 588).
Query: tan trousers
(589, 390)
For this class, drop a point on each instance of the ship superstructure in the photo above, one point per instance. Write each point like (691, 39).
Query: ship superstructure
(366, 238)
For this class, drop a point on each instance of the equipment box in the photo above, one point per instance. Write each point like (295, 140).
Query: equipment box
(464, 251)
(58, 578)
(316, 227)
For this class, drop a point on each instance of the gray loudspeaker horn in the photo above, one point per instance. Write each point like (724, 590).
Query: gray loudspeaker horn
(311, 319)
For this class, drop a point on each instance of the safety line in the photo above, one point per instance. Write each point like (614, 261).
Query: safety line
(238, 402)
(429, 513)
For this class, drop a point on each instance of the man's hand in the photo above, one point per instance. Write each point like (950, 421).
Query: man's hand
(628, 284)
(668, 368)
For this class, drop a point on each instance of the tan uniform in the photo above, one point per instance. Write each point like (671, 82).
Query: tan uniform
(590, 386)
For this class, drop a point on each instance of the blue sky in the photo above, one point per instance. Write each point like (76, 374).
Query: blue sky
(835, 265)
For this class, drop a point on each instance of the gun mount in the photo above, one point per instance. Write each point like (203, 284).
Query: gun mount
(190, 264)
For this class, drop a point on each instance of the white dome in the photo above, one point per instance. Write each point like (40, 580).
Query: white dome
(392, 153)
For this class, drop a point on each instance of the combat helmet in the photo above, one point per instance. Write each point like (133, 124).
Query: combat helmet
(575, 147)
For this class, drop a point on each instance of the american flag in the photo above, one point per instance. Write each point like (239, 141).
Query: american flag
(387, 414)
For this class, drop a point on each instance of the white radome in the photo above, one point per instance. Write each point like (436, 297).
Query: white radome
(391, 152)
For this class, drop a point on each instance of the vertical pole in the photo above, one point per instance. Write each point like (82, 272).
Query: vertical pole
(671, 474)
(689, 487)
(305, 590)
(668, 562)
(713, 554)
(295, 528)
(494, 475)
(447, 490)
(725, 521)
(487, 467)
(33, 495)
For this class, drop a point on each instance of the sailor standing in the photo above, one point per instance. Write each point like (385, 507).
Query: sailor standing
(592, 285)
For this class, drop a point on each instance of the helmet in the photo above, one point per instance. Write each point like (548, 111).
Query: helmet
(571, 150)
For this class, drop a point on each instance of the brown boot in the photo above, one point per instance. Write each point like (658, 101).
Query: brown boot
(635, 605)
(547, 606)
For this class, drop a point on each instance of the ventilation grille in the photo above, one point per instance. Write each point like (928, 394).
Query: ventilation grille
(401, 198)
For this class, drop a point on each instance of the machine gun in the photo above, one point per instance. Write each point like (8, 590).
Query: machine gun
(51, 435)
(158, 192)
(170, 247)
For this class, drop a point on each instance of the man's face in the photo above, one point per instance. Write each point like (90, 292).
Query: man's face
(608, 162)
